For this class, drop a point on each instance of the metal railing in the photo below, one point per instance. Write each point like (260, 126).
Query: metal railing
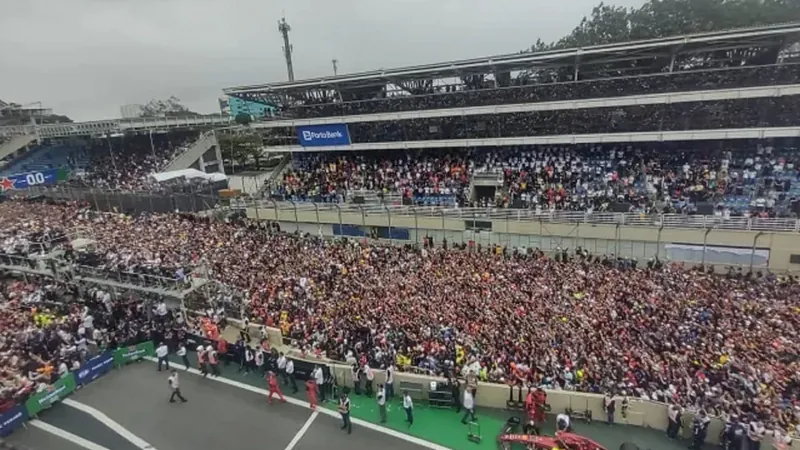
(137, 279)
(527, 215)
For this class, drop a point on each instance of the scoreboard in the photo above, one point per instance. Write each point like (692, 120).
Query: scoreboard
(21, 181)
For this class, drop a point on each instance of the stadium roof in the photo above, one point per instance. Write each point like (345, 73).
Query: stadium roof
(721, 40)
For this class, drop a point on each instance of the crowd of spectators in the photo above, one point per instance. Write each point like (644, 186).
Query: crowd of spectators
(569, 321)
(335, 176)
(127, 162)
(683, 116)
(536, 90)
(665, 177)
(49, 328)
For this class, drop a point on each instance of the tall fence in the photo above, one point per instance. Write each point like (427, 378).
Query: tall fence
(529, 215)
(188, 199)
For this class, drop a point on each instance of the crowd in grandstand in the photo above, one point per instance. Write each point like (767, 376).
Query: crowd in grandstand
(662, 177)
(529, 90)
(574, 321)
(135, 158)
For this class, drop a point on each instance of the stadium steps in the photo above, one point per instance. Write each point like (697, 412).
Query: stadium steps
(14, 144)
(193, 153)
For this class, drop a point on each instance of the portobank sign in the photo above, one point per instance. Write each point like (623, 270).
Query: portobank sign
(323, 135)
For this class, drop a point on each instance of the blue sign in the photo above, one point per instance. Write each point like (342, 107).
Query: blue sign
(25, 180)
(12, 419)
(94, 368)
(323, 135)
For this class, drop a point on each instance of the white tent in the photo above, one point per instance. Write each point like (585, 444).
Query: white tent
(189, 174)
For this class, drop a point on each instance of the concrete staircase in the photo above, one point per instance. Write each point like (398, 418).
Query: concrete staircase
(203, 154)
(15, 143)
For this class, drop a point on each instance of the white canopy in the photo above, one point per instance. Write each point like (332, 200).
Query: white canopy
(189, 174)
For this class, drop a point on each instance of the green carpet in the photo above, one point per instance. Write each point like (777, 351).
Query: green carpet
(444, 427)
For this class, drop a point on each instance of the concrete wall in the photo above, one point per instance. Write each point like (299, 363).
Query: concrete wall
(196, 156)
(628, 241)
(489, 395)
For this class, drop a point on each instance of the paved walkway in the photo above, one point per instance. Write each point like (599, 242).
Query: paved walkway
(128, 409)
(443, 427)
(233, 409)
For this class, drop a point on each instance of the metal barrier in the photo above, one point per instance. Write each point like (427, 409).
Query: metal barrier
(520, 215)
(163, 201)
(142, 280)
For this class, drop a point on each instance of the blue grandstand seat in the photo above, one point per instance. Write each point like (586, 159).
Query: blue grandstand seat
(46, 157)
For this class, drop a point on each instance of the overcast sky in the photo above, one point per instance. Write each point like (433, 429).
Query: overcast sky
(86, 58)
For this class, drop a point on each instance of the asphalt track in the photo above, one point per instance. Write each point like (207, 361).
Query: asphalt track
(216, 416)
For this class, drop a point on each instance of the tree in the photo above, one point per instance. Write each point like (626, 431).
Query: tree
(170, 107)
(243, 119)
(242, 147)
(662, 18)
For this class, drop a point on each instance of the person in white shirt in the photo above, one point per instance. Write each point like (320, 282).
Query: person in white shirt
(319, 379)
(62, 369)
(182, 354)
(290, 375)
(282, 368)
(563, 422)
(161, 352)
(468, 403)
(382, 402)
(369, 376)
(175, 385)
(390, 382)
(408, 405)
(260, 359)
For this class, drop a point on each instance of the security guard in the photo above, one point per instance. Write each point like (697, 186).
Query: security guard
(344, 410)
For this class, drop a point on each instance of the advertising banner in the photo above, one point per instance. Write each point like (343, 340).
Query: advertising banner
(136, 352)
(12, 419)
(55, 392)
(94, 368)
(21, 181)
(323, 135)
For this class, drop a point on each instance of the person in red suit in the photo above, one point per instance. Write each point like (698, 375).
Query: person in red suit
(535, 407)
(539, 400)
(311, 389)
(272, 381)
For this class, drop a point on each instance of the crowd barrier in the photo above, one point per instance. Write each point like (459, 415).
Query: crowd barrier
(89, 371)
(641, 413)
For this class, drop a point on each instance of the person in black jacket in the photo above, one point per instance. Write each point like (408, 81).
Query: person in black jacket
(699, 429)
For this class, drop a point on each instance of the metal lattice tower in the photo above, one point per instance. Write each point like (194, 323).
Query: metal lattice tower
(284, 29)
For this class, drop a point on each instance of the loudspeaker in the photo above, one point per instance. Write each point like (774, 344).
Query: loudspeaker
(705, 208)
(620, 207)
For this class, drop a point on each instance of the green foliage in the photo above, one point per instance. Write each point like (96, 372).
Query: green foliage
(243, 119)
(244, 148)
(661, 18)
(171, 107)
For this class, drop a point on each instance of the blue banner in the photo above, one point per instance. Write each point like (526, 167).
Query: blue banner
(25, 180)
(323, 135)
(94, 368)
(12, 419)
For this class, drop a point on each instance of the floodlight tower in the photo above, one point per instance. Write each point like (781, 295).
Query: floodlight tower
(284, 29)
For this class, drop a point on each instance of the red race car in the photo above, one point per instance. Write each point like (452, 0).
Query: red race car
(563, 441)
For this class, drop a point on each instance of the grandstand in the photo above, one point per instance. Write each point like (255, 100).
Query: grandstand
(672, 113)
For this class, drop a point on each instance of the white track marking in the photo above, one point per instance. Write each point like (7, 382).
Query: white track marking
(110, 423)
(302, 431)
(321, 410)
(66, 435)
